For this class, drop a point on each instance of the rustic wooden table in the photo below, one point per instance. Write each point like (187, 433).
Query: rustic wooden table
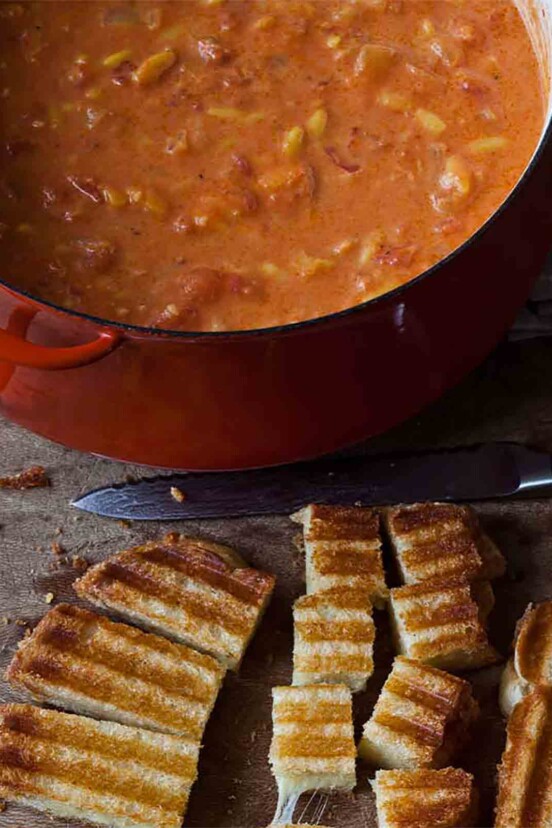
(509, 398)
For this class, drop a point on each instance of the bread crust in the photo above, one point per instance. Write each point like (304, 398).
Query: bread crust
(441, 623)
(425, 799)
(343, 549)
(98, 772)
(85, 663)
(187, 589)
(334, 638)
(524, 784)
(440, 540)
(421, 718)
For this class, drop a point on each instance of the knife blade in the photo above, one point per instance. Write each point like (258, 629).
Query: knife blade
(492, 470)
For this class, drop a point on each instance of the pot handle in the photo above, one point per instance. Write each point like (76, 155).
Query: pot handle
(18, 351)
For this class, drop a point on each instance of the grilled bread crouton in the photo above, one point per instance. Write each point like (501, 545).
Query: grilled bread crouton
(99, 772)
(343, 548)
(440, 540)
(192, 591)
(421, 719)
(85, 663)
(442, 623)
(425, 798)
(525, 774)
(313, 744)
(334, 638)
(531, 665)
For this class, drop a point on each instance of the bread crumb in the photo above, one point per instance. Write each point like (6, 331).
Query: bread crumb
(2, 806)
(79, 563)
(57, 548)
(49, 597)
(126, 524)
(32, 478)
(4, 621)
(19, 622)
(178, 494)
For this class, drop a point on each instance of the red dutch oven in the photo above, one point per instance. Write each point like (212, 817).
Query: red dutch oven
(255, 398)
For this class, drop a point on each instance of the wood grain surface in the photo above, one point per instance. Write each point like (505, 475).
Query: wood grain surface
(509, 398)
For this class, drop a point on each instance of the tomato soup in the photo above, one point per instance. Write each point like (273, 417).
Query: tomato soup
(236, 164)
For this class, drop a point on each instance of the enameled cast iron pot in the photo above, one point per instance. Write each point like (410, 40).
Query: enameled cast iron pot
(220, 401)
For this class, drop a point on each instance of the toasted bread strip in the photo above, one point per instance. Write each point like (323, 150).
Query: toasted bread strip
(441, 540)
(334, 638)
(441, 623)
(87, 664)
(100, 772)
(420, 720)
(425, 798)
(531, 665)
(192, 591)
(343, 549)
(525, 775)
(313, 742)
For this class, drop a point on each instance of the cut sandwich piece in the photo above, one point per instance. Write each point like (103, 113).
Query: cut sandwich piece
(343, 549)
(525, 775)
(86, 663)
(443, 623)
(100, 772)
(192, 591)
(440, 540)
(421, 719)
(313, 744)
(334, 638)
(425, 798)
(531, 665)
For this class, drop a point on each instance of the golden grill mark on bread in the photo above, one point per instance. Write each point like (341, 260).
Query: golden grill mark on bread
(420, 720)
(525, 774)
(313, 742)
(83, 662)
(102, 772)
(192, 591)
(441, 623)
(425, 798)
(334, 638)
(438, 540)
(531, 665)
(343, 549)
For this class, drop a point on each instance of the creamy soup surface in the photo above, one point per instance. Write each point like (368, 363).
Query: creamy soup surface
(240, 164)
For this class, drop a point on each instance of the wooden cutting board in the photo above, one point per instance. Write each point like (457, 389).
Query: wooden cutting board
(508, 398)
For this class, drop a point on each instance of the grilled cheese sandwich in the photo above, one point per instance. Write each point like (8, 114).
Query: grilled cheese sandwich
(334, 638)
(420, 720)
(525, 774)
(440, 540)
(85, 663)
(442, 623)
(192, 591)
(100, 772)
(343, 549)
(531, 665)
(425, 799)
(313, 744)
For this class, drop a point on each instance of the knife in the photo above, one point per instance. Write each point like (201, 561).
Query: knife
(492, 470)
